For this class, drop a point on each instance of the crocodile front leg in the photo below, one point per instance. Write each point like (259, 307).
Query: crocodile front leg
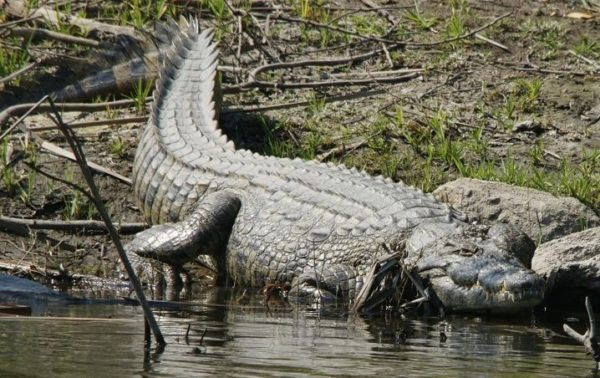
(329, 283)
(205, 231)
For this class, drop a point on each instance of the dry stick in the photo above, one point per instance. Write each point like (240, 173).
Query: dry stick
(69, 106)
(17, 22)
(61, 152)
(517, 67)
(590, 338)
(76, 148)
(588, 61)
(18, 122)
(339, 150)
(20, 8)
(287, 105)
(29, 33)
(463, 36)
(329, 27)
(74, 225)
(336, 61)
(334, 83)
(492, 42)
(351, 59)
(100, 122)
(19, 72)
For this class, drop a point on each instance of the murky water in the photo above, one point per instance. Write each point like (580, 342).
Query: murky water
(244, 340)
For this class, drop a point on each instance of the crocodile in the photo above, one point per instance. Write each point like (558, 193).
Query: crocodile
(319, 226)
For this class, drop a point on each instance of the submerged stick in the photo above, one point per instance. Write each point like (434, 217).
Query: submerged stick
(77, 151)
(590, 338)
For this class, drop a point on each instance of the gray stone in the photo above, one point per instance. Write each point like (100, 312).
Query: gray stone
(572, 261)
(539, 214)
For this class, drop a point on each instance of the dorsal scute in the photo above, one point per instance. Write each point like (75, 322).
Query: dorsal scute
(185, 86)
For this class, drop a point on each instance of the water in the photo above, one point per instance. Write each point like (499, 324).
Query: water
(246, 340)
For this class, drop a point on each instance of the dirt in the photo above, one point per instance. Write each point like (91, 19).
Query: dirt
(468, 83)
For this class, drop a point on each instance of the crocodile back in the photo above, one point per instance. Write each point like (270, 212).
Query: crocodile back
(286, 204)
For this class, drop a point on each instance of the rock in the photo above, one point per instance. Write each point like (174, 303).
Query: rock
(541, 215)
(571, 262)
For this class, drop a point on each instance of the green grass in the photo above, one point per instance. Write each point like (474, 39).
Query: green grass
(141, 90)
(420, 21)
(9, 174)
(588, 47)
(548, 36)
(428, 154)
(118, 147)
(12, 59)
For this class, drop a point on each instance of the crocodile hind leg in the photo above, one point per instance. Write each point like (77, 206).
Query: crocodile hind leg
(326, 284)
(204, 231)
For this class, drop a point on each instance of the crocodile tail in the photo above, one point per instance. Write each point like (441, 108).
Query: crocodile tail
(120, 78)
(184, 110)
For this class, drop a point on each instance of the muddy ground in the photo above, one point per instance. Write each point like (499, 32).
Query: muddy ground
(518, 102)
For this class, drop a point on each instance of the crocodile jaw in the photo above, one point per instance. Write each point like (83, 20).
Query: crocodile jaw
(491, 285)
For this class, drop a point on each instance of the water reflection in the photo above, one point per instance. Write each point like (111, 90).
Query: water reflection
(233, 338)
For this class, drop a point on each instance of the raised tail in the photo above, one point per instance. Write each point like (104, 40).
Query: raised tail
(182, 129)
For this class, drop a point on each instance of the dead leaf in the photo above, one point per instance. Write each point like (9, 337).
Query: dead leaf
(579, 15)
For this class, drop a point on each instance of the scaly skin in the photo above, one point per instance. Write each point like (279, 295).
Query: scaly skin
(319, 226)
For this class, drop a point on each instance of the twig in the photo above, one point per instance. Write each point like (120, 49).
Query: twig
(334, 61)
(351, 59)
(76, 148)
(73, 226)
(31, 107)
(69, 106)
(326, 99)
(334, 83)
(373, 278)
(516, 66)
(100, 122)
(463, 36)
(17, 22)
(329, 27)
(19, 72)
(339, 150)
(29, 33)
(588, 61)
(492, 42)
(187, 334)
(58, 151)
(387, 55)
(21, 9)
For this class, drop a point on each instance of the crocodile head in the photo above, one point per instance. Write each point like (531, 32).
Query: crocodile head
(473, 268)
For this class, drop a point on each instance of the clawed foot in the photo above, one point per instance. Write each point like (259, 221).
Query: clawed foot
(165, 281)
(590, 338)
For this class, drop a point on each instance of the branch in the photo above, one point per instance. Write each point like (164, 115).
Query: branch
(81, 161)
(30, 33)
(21, 226)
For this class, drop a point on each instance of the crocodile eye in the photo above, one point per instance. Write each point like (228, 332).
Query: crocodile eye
(466, 252)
